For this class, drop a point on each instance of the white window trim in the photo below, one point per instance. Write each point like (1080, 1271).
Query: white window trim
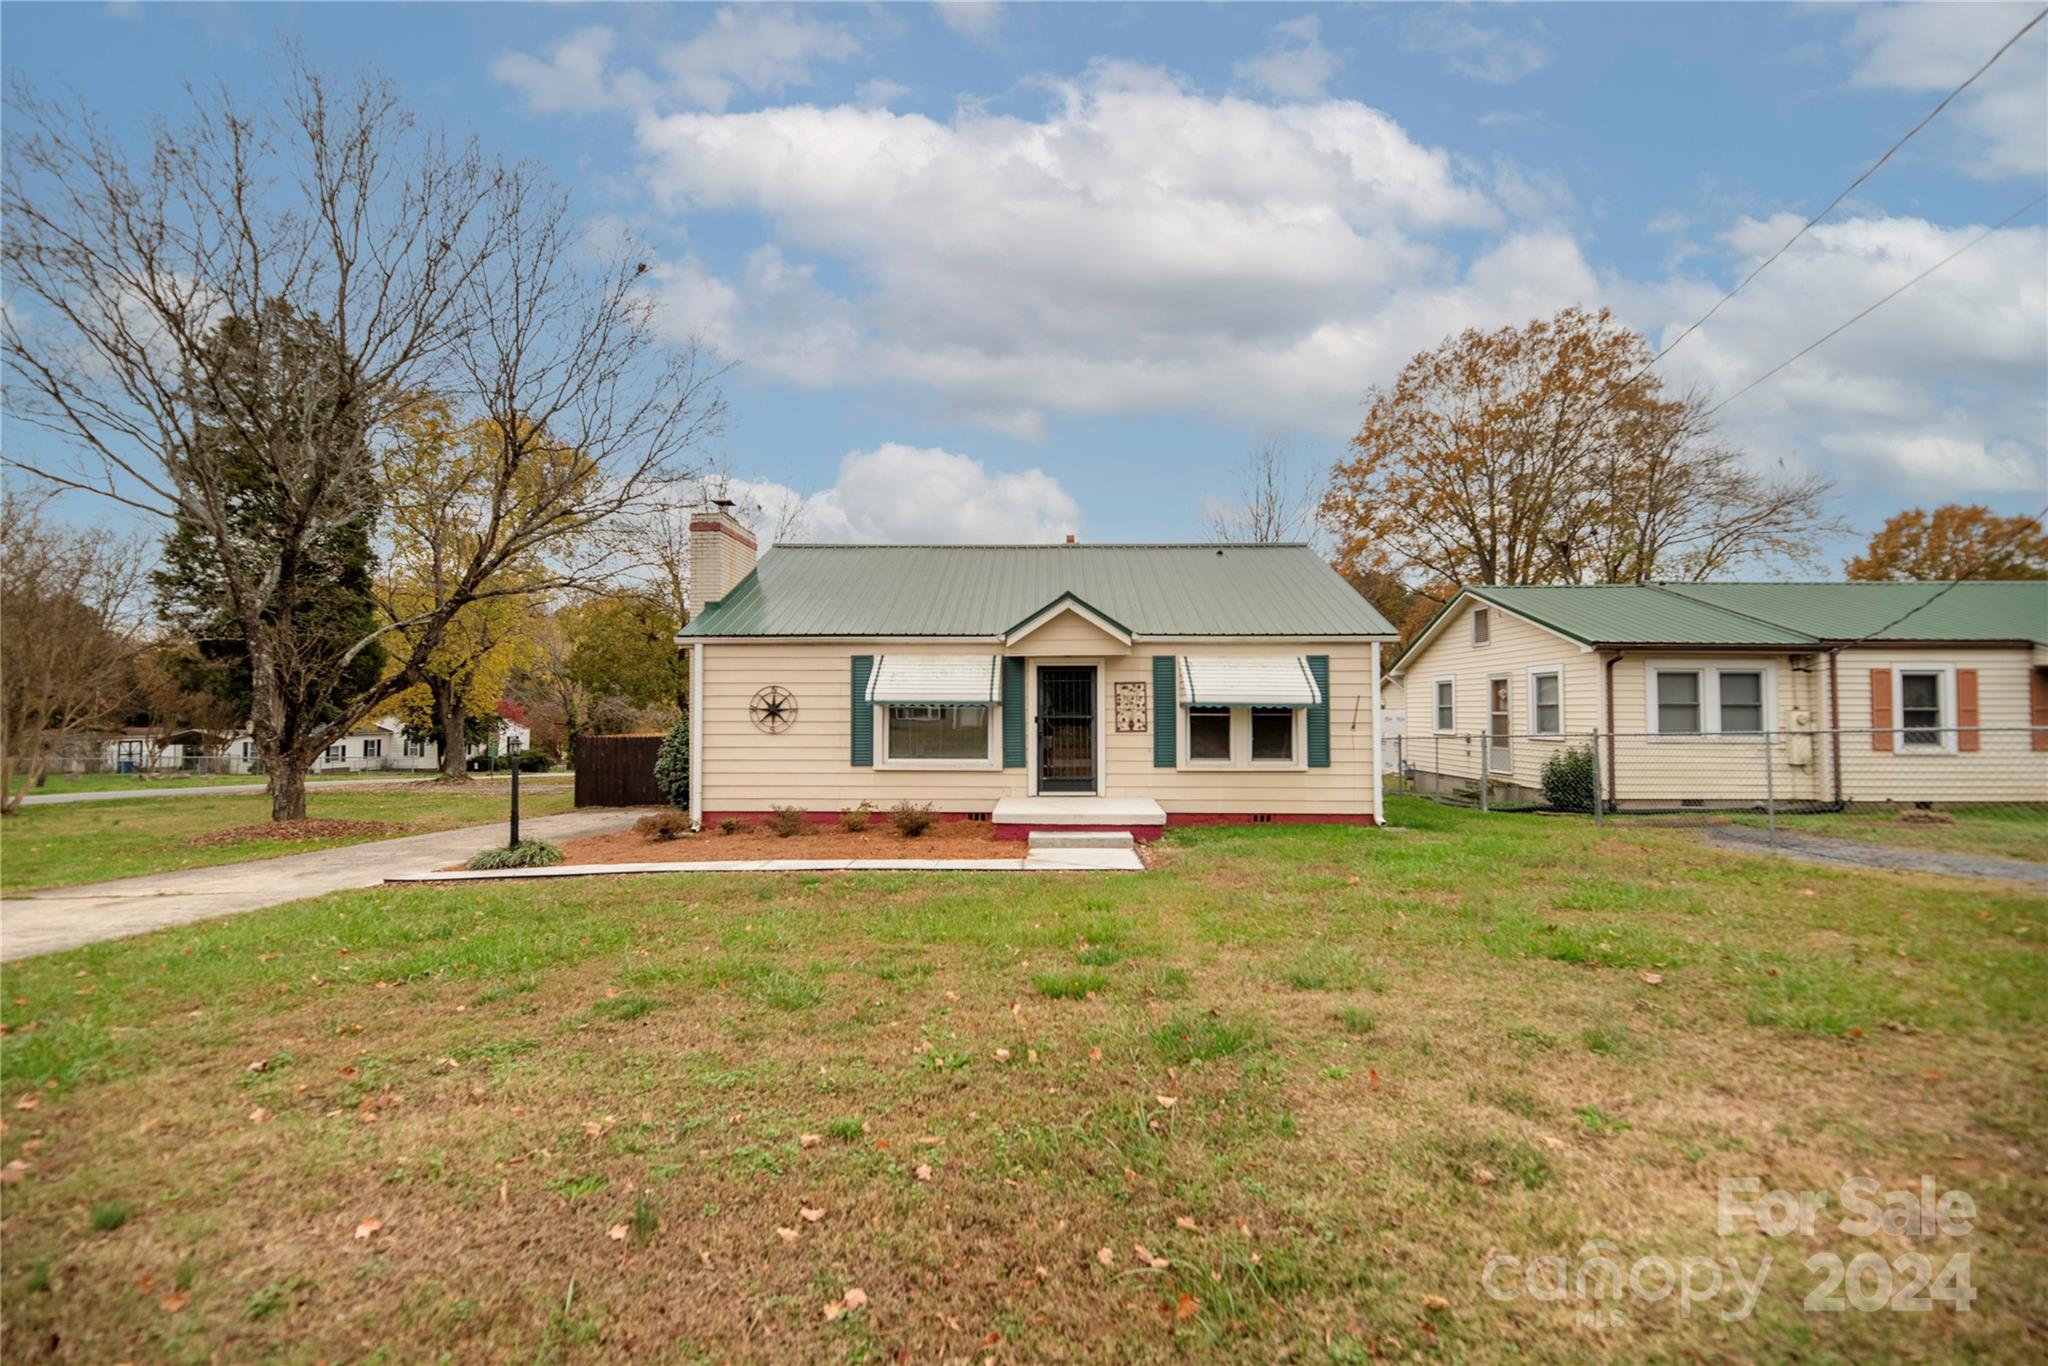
(1947, 726)
(992, 759)
(1546, 671)
(1436, 713)
(1477, 613)
(1710, 672)
(1241, 745)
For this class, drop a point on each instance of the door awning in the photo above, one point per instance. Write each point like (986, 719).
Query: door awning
(1247, 681)
(908, 680)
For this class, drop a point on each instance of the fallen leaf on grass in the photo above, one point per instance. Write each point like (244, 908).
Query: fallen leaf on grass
(854, 1298)
(28, 1102)
(1095, 1055)
(1145, 1256)
(1167, 1102)
(809, 1140)
(1482, 1177)
(811, 1216)
(1435, 1303)
(368, 1227)
(260, 1065)
(1553, 1143)
(1652, 978)
(1182, 1221)
(14, 1171)
(617, 1233)
(787, 1235)
(1002, 1055)
(924, 1171)
(1186, 1306)
(172, 1303)
(258, 1115)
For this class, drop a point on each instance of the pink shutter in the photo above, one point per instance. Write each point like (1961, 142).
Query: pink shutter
(1881, 736)
(1967, 734)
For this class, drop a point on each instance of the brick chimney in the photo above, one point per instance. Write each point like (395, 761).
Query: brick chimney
(721, 554)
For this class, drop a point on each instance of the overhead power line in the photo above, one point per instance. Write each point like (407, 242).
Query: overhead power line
(1858, 317)
(1850, 188)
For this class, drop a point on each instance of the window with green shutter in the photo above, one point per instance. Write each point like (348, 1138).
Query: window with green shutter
(1013, 713)
(1319, 714)
(1165, 723)
(863, 727)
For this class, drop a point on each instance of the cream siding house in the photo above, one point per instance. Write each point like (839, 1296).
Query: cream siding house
(1710, 694)
(1092, 686)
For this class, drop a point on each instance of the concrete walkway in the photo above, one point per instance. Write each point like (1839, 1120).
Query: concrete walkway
(65, 917)
(122, 794)
(1038, 861)
(1890, 857)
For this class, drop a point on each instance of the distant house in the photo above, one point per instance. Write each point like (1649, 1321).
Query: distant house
(379, 745)
(1033, 686)
(1868, 692)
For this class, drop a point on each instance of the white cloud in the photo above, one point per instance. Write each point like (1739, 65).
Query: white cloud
(879, 93)
(760, 49)
(1484, 53)
(977, 20)
(1295, 65)
(2002, 120)
(901, 494)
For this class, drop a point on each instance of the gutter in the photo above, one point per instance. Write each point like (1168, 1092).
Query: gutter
(1612, 660)
(1835, 722)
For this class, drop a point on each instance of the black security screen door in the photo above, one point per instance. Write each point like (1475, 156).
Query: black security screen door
(1066, 728)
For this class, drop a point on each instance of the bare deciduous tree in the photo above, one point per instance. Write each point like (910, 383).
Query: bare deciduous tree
(1273, 504)
(68, 636)
(435, 269)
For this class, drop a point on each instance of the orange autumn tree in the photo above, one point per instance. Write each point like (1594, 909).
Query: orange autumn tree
(1955, 541)
(1544, 454)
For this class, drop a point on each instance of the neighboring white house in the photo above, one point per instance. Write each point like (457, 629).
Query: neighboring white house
(373, 746)
(1704, 694)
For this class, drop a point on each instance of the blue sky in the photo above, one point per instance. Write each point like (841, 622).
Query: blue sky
(1000, 271)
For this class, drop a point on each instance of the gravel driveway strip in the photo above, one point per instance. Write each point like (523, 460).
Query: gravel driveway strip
(33, 923)
(1856, 854)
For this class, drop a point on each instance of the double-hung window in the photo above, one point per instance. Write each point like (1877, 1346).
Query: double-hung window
(415, 749)
(1209, 735)
(1702, 699)
(337, 753)
(1482, 625)
(1678, 702)
(1546, 702)
(1446, 705)
(938, 732)
(373, 749)
(1923, 708)
(1272, 735)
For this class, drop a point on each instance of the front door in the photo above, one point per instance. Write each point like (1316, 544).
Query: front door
(1066, 728)
(1500, 755)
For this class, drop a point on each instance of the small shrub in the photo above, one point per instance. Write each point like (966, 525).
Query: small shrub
(525, 854)
(787, 820)
(731, 825)
(854, 819)
(845, 1130)
(672, 765)
(665, 825)
(1569, 780)
(533, 761)
(912, 819)
(109, 1216)
(1069, 986)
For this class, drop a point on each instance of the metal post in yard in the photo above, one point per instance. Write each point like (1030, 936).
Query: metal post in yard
(1599, 806)
(515, 808)
(1770, 793)
(1485, 766)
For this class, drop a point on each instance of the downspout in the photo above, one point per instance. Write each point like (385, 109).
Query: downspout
(1835, 724)
(1612, 660)
(1379, 777)
(696, 735)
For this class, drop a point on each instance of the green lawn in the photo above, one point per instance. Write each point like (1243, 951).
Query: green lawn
(59, 846)
(1319, 1074)
(130, 782)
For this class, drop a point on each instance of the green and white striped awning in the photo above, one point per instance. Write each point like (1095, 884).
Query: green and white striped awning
(1247, 681)
(936, 680)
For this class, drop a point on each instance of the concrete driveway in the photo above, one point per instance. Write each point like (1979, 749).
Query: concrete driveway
(124, 794)
(33, 923)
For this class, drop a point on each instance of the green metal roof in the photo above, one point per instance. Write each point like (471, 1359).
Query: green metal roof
(1782, 614)
(986, 590)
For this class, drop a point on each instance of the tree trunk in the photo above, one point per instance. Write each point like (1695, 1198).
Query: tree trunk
(448, 719)
(287, 789)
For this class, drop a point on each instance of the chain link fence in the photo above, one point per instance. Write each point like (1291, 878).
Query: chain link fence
(1967, 790)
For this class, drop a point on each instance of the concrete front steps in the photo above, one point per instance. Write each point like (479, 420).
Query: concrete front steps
(1074, 850)
(1022, 818)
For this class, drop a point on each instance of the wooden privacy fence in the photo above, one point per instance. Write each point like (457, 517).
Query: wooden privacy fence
(617, 770)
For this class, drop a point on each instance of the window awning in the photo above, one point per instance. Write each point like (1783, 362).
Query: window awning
(935, 679)
(1247, 681)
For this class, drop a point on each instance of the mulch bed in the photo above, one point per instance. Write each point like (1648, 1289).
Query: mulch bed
(270, 831)
(947, 839)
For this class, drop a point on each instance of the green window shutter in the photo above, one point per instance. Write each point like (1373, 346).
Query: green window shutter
(863, 714)
(1319, 714)
(1013, 713)
(1164, 722)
